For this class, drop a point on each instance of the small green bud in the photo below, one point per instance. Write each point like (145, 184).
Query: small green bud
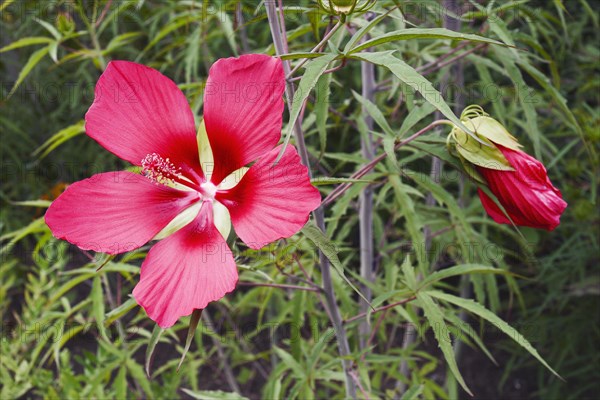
(65, 24)
(345, 6)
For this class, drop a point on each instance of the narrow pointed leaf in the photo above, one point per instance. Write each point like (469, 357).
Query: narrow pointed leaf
(412, 78)
(194, 320)
(316, 236)
(156, 333)
(34, 59)
(422, 33)
(309, 80)
(492, 318)
(434, 315)
(460, 270)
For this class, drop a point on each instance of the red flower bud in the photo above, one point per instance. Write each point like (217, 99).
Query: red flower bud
(526, 193)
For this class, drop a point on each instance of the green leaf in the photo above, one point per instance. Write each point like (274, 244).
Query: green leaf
(414, 116)
(422, 33)
(53, 51)
(121, 40)
(28, 41)
(543, 81)
(313, 71)
(50, 28)
(291, 363)
(156, 333)
(363, 31)
(319, 347)
(459, 270)
(409, 274)
(526, 100)
(375, 113)
(194, 320)
(322, 109)
(170, 27)
(98, 305)
(436, 319)
(213, 395)
(121, 383)
(414, 225)
(328, 248)
(295, 56)
(59, 138)
(138, 374)
(228, 32)
(413, 393)
(411, 77)
(468, 332)
(33, 203)
(492, 318)
(34, 59)
(121, 310)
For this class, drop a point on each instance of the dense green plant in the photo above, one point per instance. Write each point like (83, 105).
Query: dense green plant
(371, 77)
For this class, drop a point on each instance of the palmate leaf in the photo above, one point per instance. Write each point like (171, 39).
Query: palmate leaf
(434, 315)
(492, 318)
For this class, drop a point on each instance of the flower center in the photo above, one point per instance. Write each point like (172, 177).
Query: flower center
(208, 190)
(160, 170)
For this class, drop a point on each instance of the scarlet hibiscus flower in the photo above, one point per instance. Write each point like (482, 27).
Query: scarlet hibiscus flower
(526, 193)
(192, 187)
(519, 181)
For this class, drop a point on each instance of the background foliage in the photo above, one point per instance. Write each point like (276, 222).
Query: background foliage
(69, 331)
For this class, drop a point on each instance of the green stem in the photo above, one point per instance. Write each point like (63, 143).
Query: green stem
(366, 201)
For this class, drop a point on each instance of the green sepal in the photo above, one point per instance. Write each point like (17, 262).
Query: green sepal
(470, 170)
(493, 131)
(474, 152)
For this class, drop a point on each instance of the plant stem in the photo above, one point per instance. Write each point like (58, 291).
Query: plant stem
(366, 201)
(334, 311)
(379, 309)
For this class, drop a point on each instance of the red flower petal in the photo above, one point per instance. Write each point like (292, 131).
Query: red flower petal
(138, 111)
(243, 110)
(272, 201)
(492, 209)
(526, 193)
(186, 271)
(114, 212)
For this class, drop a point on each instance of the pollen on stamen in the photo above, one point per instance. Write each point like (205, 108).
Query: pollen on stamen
(159, 170)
